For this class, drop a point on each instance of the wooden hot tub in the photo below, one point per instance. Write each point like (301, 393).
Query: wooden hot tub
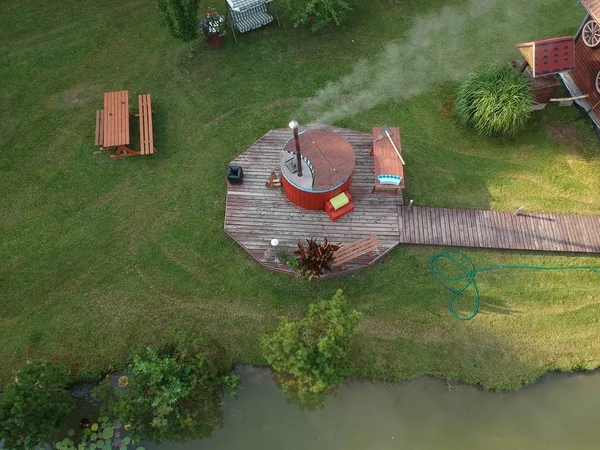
(327, 166)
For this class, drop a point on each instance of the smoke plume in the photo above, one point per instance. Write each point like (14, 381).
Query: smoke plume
(442, 46)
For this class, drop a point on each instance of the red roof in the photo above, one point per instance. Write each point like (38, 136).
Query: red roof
(549, 56)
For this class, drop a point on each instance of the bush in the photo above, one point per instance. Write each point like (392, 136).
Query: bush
(315, 258)
(494, 102)
(318, 13)
(174, 393)
(35, 406)
(309, 357)
(180, 17)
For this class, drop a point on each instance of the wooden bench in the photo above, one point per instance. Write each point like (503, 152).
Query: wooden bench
(146, 135)
(363, 246)
(99, 128)
(386, 160)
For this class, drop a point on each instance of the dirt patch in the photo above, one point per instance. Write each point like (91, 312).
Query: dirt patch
(565, 135)
(448, 107)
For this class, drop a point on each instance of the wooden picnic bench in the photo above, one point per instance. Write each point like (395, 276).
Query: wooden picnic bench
(386, 160)
(363, 246)
(146, 135)
(112, 125)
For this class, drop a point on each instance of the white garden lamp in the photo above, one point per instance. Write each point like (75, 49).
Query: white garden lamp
(274, 244)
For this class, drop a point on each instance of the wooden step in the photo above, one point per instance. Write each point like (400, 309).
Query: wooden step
(337, 213)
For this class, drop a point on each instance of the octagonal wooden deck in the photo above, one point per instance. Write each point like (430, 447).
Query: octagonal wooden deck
(256, 214)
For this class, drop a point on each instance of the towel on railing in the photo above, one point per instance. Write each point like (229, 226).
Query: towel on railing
(389, 179)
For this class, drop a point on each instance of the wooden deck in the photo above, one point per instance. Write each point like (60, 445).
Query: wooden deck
(256, 214)
(498, 229)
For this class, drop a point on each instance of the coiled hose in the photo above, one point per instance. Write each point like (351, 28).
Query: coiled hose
(464, 263)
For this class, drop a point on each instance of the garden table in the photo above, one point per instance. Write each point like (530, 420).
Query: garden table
(116, 122)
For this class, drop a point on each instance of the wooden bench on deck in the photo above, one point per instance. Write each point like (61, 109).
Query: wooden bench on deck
(386, 160)
(363, 246)
(146, 135)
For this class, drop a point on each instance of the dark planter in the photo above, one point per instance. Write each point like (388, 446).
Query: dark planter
(214, 41)
(235, 175)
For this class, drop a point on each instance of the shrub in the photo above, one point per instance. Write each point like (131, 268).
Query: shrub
(174, 393)
(35, 405)
(318, 13)
(494, 102)
(315, 258)
(180, 17)
(309, 357)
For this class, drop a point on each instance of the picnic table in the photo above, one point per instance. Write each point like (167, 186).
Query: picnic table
(112, 124)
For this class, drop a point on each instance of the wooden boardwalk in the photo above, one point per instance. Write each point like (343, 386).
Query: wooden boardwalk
(498, 229)
(255, 214)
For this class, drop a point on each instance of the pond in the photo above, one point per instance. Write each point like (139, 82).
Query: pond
(558, 412)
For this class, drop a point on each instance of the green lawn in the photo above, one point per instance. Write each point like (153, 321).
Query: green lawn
(99, 256)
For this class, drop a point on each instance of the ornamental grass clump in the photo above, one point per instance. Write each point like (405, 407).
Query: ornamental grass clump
(494, 102)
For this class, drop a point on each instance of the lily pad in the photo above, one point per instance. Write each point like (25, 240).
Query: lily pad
(107, 433)
(126, 440)
(99, 443)
(94, 427)
(94, 436)
(71, 432)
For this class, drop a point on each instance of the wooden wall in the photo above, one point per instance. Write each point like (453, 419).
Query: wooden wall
(587, 66)
(311, 200)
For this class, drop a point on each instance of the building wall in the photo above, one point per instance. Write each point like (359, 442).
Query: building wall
(587, 66)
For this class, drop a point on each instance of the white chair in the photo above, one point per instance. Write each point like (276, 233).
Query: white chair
(246, 15)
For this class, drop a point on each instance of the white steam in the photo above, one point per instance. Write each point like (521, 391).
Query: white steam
(442, 46)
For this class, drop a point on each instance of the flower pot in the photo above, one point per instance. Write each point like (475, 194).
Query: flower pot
(214, 41)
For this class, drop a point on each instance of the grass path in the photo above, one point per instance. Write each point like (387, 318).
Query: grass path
(100, 256)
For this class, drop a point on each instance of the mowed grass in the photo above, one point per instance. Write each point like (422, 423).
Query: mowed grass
(98, 256)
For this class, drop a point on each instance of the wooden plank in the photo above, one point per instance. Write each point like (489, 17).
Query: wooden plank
(150, 130)
(107, 125)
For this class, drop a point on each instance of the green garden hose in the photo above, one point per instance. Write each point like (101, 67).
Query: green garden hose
(464, 263)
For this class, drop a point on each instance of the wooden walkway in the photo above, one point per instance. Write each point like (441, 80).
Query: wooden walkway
(255, 214)
(498, 229)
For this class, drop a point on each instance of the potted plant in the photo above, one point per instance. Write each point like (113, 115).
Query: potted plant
(213, 27)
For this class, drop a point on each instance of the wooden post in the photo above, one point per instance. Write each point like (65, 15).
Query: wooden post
(294, 127)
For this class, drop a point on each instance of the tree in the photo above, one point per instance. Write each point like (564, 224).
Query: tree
(181, 18)
(173, 393)
(35, 405)
(318, 13)
(309, 357)
(494, 102)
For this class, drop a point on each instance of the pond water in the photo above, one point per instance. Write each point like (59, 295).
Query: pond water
(558, 412)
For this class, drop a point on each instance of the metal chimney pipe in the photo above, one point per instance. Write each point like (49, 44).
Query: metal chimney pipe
(294, 127)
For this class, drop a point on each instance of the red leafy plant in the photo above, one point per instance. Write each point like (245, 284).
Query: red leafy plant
(315, 258)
